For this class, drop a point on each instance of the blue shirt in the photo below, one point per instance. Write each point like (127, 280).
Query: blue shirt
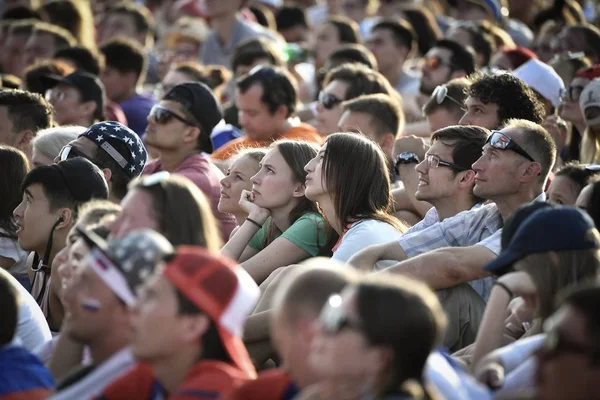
(136, 109)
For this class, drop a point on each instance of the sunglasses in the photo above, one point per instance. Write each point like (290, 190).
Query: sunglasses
(572, 93)
(501, 141)
(434, 62)
(163, 116)
(434, 162)
(69, 151)
(55, 94)
(556, 343)
(328, 100)
(332, 318)
(441, 93)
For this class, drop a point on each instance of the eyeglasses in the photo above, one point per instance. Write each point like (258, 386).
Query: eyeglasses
(441, 93)
(332, 318)
(329, 100)
(572, 93)
(501, 141)
(163, 115)
(55, 95)
(434, 162)
(556, 343)
(434, 62)
(69, 151)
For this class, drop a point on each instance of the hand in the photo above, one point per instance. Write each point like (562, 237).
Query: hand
(255, 212)
(557, 128)
(490, 374)
(411, 144)
(520, 283)
(366, 259)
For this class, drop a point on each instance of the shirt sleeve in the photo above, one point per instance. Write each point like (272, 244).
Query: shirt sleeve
(447, 233)
(493, 242)
(362, 235)
(308, 233)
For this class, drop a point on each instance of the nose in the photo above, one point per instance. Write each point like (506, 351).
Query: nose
(18, 212)
(464, 119)
(255, 179)
(308, 167)
(243, 120)
(225, 182)
(478, 165)
(422, 167)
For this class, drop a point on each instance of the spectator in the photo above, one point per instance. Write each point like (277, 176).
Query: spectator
(510, 60)
(22, 116)
(215, 77)
(470, 34)
(179, 126)
(589, 102)
(128, 20)
(568, 183)
(74, 16)
(291, 24)
(266, 101)
(576, 38)
(445, 61)
(126, 67)
(45, 40)
(184, 40)
(83, 58)
(14, 44)
(333, 33)
(114, 148)
(36, 75)
(446, 106)
(77, 99)
(544, 81)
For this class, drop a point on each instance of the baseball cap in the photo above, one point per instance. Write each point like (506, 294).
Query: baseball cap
(81, 179)
(542, 78)
(222, 290)
(554, 228)
(89, 86)
(124, 264)
(134, 160)
(590, 97)
(200, 103)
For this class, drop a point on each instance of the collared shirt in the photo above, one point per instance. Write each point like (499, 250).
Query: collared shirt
(431, 217)
(482, 226)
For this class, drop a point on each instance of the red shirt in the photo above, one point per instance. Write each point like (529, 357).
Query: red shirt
(274, 384)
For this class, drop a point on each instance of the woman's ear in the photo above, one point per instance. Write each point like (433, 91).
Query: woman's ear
(299, 190)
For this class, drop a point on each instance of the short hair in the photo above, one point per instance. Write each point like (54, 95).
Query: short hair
(94, 211)
(462, 58)
(247, 52)
(142, 17)
(483, 43)
(83, 59)
(515, 100)
(537, 142)
(212, 76)
(10, 309)
(36, 75)
(402, 32)
(347, 29)
(591, 38)
(62, 37)
(278, 87)
(387, 114)
(361, 80)
(50, 141)
(353, 53)
(457, 89)
(289, 17)
(578, 174)
(125, 55)
(26, 110)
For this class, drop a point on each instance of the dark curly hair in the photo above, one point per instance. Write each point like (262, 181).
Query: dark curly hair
(514, 98)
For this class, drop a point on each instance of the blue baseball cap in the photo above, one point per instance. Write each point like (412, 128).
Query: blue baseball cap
(556, 228)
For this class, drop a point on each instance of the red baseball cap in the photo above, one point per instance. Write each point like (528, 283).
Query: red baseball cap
(221, 289)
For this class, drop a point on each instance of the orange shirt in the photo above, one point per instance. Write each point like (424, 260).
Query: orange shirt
(300, 132)
(274, 384)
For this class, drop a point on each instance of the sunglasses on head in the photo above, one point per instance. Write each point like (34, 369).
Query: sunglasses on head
(572, 93)
(69, 151)
(435, 62)
(441, 93)
(501, 141)
(162, 115)
(332, 318)
(328, 100)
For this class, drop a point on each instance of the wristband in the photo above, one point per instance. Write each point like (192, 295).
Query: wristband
(254, 222)
(503, 286)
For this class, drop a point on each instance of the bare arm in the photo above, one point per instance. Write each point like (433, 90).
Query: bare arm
(237, 246)
(367, 258)
(67, 354)
(446, 267)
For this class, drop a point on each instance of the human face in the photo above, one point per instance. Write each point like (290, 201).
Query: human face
(172, 134)
(497, 171)
(40, 46)
(561, 191)
(136, 213)
(436, 70)
(388, 54)
(15, 46)
(583, 200)
(442, 118)
(115, 84)
(568, 41)
(35, 219)
(68, 108)
(315, 179)
(220, 8)
(38, 159)
(255, 117)
(437, 183)
(569, 107)
(74, 258)
(480, 114)
(346, 354)
(354, 9)
(237, 179)
(86, 325)
(117, 24)
(563, 373)
(328, 40)
(328, 118)
(273, 186)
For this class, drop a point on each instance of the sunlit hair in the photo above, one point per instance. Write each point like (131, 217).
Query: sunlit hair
(356, 175)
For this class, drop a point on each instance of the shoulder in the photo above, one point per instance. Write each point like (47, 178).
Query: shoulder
(269, 385)
(304, 131)
(132, 385)
(210, 379)
(372, 226)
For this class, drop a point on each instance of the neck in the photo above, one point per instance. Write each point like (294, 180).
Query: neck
(107, 346)
(276, 134)
(126, 96)
(171, 372)
(223, 27)
(393, 75)
(58, 243)
(240, 217)
(82, 121)
(508, 204)
(281, 216)
(451, 206)
(328, 209)
(171, 160)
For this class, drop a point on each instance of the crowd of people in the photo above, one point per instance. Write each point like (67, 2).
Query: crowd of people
(318, 199)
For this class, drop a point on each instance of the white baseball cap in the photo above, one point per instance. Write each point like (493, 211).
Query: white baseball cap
(542, 78)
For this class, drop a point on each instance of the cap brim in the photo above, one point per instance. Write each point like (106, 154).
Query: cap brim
(93, 241)
(502, 264)
(237, 352)
(56, 79)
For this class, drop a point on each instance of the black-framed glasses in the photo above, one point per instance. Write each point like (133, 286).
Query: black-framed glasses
(441, 93)
(572, 93)
(557, 343)
(434, 162)
(69, 151)
(162, 115)
(328, 100)
(332, 318)
(502, 141)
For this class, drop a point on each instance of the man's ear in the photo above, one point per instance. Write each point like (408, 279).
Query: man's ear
(107, 174)
(66, 219)
(467, 180)
(532, 172)
(25, 140)
(89, 107)
(386, 142)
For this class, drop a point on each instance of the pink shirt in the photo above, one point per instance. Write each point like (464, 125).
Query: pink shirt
(207, 176)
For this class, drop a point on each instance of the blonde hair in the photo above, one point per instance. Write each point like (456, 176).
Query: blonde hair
(50, 141)
(590, 147)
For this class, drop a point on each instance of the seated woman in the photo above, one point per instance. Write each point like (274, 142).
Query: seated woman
(237, 179)
(283, 227)
(374, 339)
(568, 182)
(355, 204)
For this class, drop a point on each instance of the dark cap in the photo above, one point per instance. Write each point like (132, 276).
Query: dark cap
(514, 222)
(83, 180)
(554, 228)
(89, 86)
(201, 104)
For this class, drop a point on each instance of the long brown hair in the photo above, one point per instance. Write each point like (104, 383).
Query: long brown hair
(13, 168)
(296, 155)
(356, 175)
